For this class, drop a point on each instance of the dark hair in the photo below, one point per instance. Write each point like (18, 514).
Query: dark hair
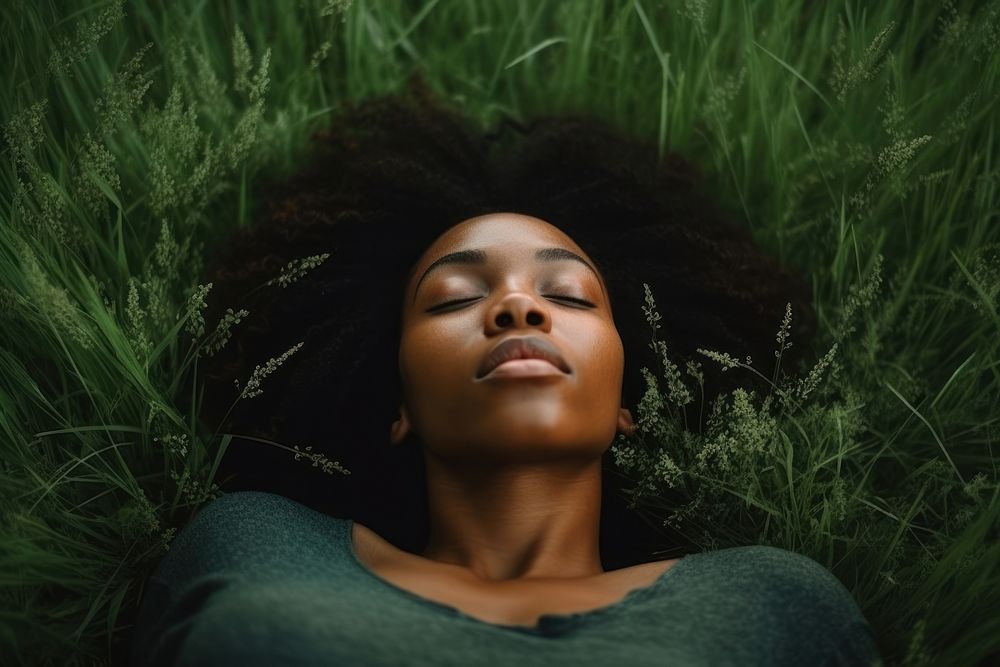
(387, 178)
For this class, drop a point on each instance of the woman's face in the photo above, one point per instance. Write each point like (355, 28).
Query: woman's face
(514, 276)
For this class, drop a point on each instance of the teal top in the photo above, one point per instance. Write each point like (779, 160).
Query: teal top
(260, 579)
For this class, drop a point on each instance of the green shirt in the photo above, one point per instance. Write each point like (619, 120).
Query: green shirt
(259, 579)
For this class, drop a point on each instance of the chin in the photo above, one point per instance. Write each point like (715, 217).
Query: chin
(540, 437)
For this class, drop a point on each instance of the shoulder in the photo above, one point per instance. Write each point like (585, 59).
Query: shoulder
(768, 560)
(796, 606)
(256, 512)
(242, 537)
(781, 575)
(246, 504)
(244, 530)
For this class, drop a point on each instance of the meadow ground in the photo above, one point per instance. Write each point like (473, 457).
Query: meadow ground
(856, 140)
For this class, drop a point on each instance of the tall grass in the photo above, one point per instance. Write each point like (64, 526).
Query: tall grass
(857, 140)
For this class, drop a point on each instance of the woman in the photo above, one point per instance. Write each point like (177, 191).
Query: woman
(492, 536)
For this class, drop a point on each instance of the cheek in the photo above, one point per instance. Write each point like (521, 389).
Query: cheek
(427, 356)
(606, 352)
(608, 380)
(616, 369)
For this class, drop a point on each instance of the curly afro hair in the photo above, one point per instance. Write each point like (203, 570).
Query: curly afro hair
(388, 177)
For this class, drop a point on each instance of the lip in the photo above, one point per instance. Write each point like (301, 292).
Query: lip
(522, 347)
(523, 368)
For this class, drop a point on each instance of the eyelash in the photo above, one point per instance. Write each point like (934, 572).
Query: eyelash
(582, 302)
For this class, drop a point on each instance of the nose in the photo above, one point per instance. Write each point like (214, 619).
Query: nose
(518, 310)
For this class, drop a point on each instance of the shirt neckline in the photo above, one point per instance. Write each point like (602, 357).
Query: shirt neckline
(548, 624)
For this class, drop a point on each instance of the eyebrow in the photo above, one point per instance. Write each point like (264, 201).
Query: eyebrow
(477, 256)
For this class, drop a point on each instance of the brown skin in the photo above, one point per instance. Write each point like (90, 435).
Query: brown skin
(513, 465)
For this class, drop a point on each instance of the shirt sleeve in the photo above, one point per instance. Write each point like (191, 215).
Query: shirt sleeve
(233, 540)
(823, 618)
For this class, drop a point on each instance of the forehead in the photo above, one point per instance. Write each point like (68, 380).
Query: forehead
(496, 230)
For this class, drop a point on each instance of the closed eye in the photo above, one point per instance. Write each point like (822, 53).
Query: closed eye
(446, 304)
(582, 302)
(554, 297)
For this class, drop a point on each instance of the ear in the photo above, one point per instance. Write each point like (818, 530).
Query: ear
(401, 427)
(625, 423)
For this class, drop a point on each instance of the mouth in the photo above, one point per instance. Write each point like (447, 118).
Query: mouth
(523, 355)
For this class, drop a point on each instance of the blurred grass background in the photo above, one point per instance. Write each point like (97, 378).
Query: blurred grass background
(857, 140)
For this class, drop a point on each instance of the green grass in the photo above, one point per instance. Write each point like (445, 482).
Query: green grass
(857, 140)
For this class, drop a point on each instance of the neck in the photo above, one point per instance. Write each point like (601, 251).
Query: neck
(516, 522)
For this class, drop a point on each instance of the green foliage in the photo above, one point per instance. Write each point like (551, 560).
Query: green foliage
(298, 268)
(253, 386)
(69, 51)
(851, 138)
